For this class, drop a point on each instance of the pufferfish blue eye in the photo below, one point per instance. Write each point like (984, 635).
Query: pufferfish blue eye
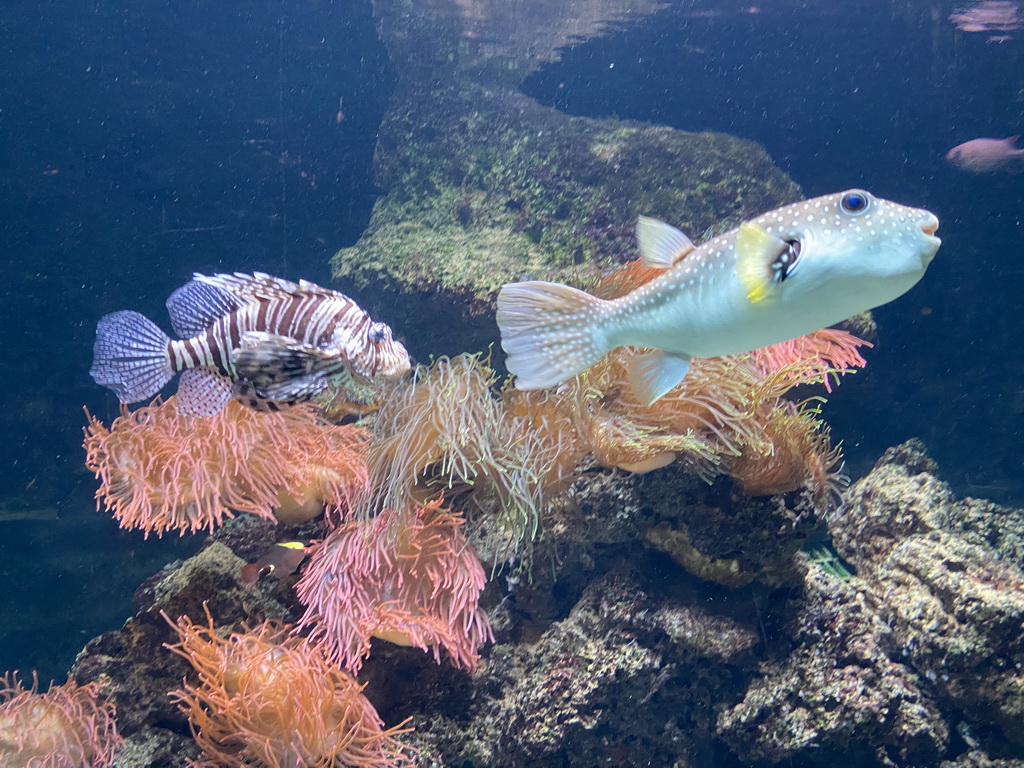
(854, 202)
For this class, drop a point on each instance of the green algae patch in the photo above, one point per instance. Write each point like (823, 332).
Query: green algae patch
(485, 186)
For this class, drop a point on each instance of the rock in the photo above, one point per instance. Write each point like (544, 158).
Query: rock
(937, 570)
(839, 691)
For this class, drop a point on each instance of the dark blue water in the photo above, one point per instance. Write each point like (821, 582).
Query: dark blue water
(857, 95)
(140, 142)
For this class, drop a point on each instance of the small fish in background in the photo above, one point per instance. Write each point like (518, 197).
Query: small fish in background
(282, 560)
(782, 275)
(992, 16)
(988, 156)
(256, 337)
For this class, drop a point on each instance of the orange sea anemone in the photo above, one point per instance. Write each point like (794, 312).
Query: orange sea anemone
(437, 425)
(546, 417)
(406, 576)
(161, 470)
(267, 697)
(66, 727)
(796, 453)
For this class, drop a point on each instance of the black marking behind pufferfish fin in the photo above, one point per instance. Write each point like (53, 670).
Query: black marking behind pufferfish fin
(197, 305)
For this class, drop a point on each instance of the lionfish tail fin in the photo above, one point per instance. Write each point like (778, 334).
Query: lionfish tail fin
(131, 356)
(550, 332)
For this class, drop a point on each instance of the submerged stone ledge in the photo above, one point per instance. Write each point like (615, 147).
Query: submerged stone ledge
(483, 186)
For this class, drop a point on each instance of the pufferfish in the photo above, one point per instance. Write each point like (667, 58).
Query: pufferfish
(784, 274)
(256, 337)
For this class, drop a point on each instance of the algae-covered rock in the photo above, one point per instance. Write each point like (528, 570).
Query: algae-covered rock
(721, 535)
(840, 691)
(481, 185)
(625, 679)
(943, 578)
(484, 186)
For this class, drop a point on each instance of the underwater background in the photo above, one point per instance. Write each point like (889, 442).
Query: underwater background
(140, 143)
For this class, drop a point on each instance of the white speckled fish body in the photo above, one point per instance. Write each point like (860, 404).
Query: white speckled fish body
(848, 263)
(784, 274)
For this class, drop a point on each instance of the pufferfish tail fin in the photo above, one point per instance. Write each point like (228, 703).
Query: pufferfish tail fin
(550, 332)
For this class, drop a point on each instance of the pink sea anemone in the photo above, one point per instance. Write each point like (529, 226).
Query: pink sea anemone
(66, 727)
(819, 357)
(161, 470)
(407, 576)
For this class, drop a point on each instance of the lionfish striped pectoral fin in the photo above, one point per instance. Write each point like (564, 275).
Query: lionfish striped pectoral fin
(550, 332)
(131, 356)
(281, 368)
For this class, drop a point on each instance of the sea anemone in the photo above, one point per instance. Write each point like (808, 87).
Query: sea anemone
(817, 358)
(268, 697)
(444, 432)
(407, 576)
(796, 452)
(543, 419)
(162, 470)
(436, 427)
(66, 727)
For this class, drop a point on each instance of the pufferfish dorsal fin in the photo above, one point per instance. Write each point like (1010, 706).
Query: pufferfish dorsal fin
(756, 250)
(260, 286)
(661, 245)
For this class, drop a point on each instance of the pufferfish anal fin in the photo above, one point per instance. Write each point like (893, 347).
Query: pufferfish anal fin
(756, 251)
(661, 245)
(260, 286)
(652, 375)
(197, 305)
(202, 392)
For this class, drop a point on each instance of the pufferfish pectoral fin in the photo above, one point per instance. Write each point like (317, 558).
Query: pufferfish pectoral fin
(652, 375)
(756, 250)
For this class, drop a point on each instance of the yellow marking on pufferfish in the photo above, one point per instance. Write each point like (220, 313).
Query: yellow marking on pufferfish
(756, 248)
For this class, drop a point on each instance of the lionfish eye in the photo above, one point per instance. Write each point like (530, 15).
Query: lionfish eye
(376, 334)
(785, 262)
(854, 202)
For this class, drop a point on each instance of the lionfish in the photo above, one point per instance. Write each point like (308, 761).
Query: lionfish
(244, 335)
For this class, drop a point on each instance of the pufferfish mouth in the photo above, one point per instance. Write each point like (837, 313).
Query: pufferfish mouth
(929, 226)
